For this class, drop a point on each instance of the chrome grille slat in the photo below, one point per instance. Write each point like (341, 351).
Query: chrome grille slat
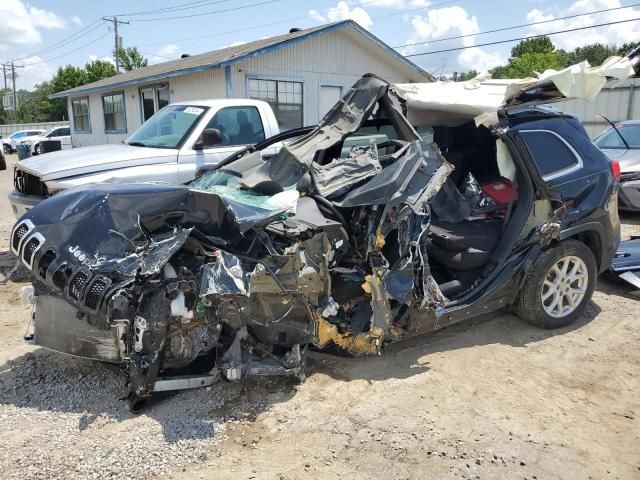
(32, 244)
(77, 284)
(20, 232)
(95, 292)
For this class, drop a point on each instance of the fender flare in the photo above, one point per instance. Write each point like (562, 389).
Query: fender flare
(589, 227)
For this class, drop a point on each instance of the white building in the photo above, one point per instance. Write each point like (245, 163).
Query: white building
(301, 74)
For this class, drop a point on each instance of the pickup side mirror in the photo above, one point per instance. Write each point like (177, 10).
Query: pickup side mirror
(210, 137)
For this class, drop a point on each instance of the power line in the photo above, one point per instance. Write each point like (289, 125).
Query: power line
(70, 39)
(175, 8)
(45, 60)
(523, 38)
(289, 20)
(206, 13)
(517, 26)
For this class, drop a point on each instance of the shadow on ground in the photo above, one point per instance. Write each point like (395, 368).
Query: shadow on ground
(48, 381)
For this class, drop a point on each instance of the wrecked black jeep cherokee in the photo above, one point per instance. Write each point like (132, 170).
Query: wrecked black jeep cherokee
(359, 232)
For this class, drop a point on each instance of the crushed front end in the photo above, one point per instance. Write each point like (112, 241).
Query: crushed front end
(241, 271)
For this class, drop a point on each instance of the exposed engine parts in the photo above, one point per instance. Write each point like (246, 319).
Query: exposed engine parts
(242, 271)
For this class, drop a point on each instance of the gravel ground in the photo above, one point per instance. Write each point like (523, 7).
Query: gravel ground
(492, 399)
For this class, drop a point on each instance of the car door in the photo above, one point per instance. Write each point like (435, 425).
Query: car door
(63, 135)
(239, 126)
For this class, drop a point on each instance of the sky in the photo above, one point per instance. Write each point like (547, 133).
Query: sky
(43, 35)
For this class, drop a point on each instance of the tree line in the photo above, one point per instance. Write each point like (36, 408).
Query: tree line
(35, 106)
(539, 54)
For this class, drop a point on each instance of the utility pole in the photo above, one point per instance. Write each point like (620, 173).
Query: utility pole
(15, 97)
(117, 39)
(13, 75)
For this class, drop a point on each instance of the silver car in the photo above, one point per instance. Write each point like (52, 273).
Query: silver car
(622, 142)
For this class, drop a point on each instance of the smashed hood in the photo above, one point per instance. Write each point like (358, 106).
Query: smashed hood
(122, 230)
(455, 103)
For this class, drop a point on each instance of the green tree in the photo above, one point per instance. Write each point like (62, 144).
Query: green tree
(4, 115)
(627, 47)
(130, 58)
(595, 54)
(467, 75)
(99, 69)
(527, 64)
(65, 78)
(540, 44)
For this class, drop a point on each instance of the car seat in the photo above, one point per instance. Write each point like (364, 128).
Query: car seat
(245, 135)
(463, 246)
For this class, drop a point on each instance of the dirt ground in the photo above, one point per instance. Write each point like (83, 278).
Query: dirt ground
(493, 398)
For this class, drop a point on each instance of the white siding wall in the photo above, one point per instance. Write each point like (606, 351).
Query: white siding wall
(335, 58)
(96, 116)
(198, 86)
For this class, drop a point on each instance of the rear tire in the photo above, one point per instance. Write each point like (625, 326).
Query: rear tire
(559, 286)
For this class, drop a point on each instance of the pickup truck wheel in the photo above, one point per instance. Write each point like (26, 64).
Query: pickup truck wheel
(559, 286)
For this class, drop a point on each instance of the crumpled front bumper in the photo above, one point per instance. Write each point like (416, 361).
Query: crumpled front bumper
(21, 203)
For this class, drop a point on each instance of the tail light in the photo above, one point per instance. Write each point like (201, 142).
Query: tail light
(615, 169)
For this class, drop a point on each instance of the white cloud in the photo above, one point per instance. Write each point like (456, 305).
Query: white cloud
(21, 24)
(612, 34)
(236, 44)
(76, 20)
(316, 16)
(344, 11)
(108, 59)
(166, 53)
(35, 70)
(477, 59)
(397, 3)
(45, 19)
(432, 29)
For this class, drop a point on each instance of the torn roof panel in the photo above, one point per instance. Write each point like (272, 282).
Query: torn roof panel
(454, 103)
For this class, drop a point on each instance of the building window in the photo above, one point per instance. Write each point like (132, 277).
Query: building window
(80, 110)
(238, 125)
(115, 120)
(153, 99)
(284, 97)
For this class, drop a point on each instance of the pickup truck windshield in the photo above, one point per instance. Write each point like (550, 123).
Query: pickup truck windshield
(167, 128)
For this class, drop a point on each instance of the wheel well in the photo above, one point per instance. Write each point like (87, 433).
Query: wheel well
(592, 240)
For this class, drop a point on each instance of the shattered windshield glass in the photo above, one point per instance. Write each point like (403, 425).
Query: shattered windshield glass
(167, 128)
(226, 184)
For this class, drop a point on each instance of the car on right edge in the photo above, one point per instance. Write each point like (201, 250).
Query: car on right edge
(621, 142)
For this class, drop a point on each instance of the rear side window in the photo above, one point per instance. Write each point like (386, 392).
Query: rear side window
(553, 156)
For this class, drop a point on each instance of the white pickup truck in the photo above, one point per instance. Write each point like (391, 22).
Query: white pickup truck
(171, 146)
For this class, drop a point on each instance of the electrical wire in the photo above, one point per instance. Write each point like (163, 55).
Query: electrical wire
(205, 13)
(175, 8)
(45, 60)
(523, 38)
(595, 12)
(70, 39)
(289, 20)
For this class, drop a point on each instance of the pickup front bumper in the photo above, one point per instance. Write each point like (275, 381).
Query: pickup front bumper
(20, 203)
